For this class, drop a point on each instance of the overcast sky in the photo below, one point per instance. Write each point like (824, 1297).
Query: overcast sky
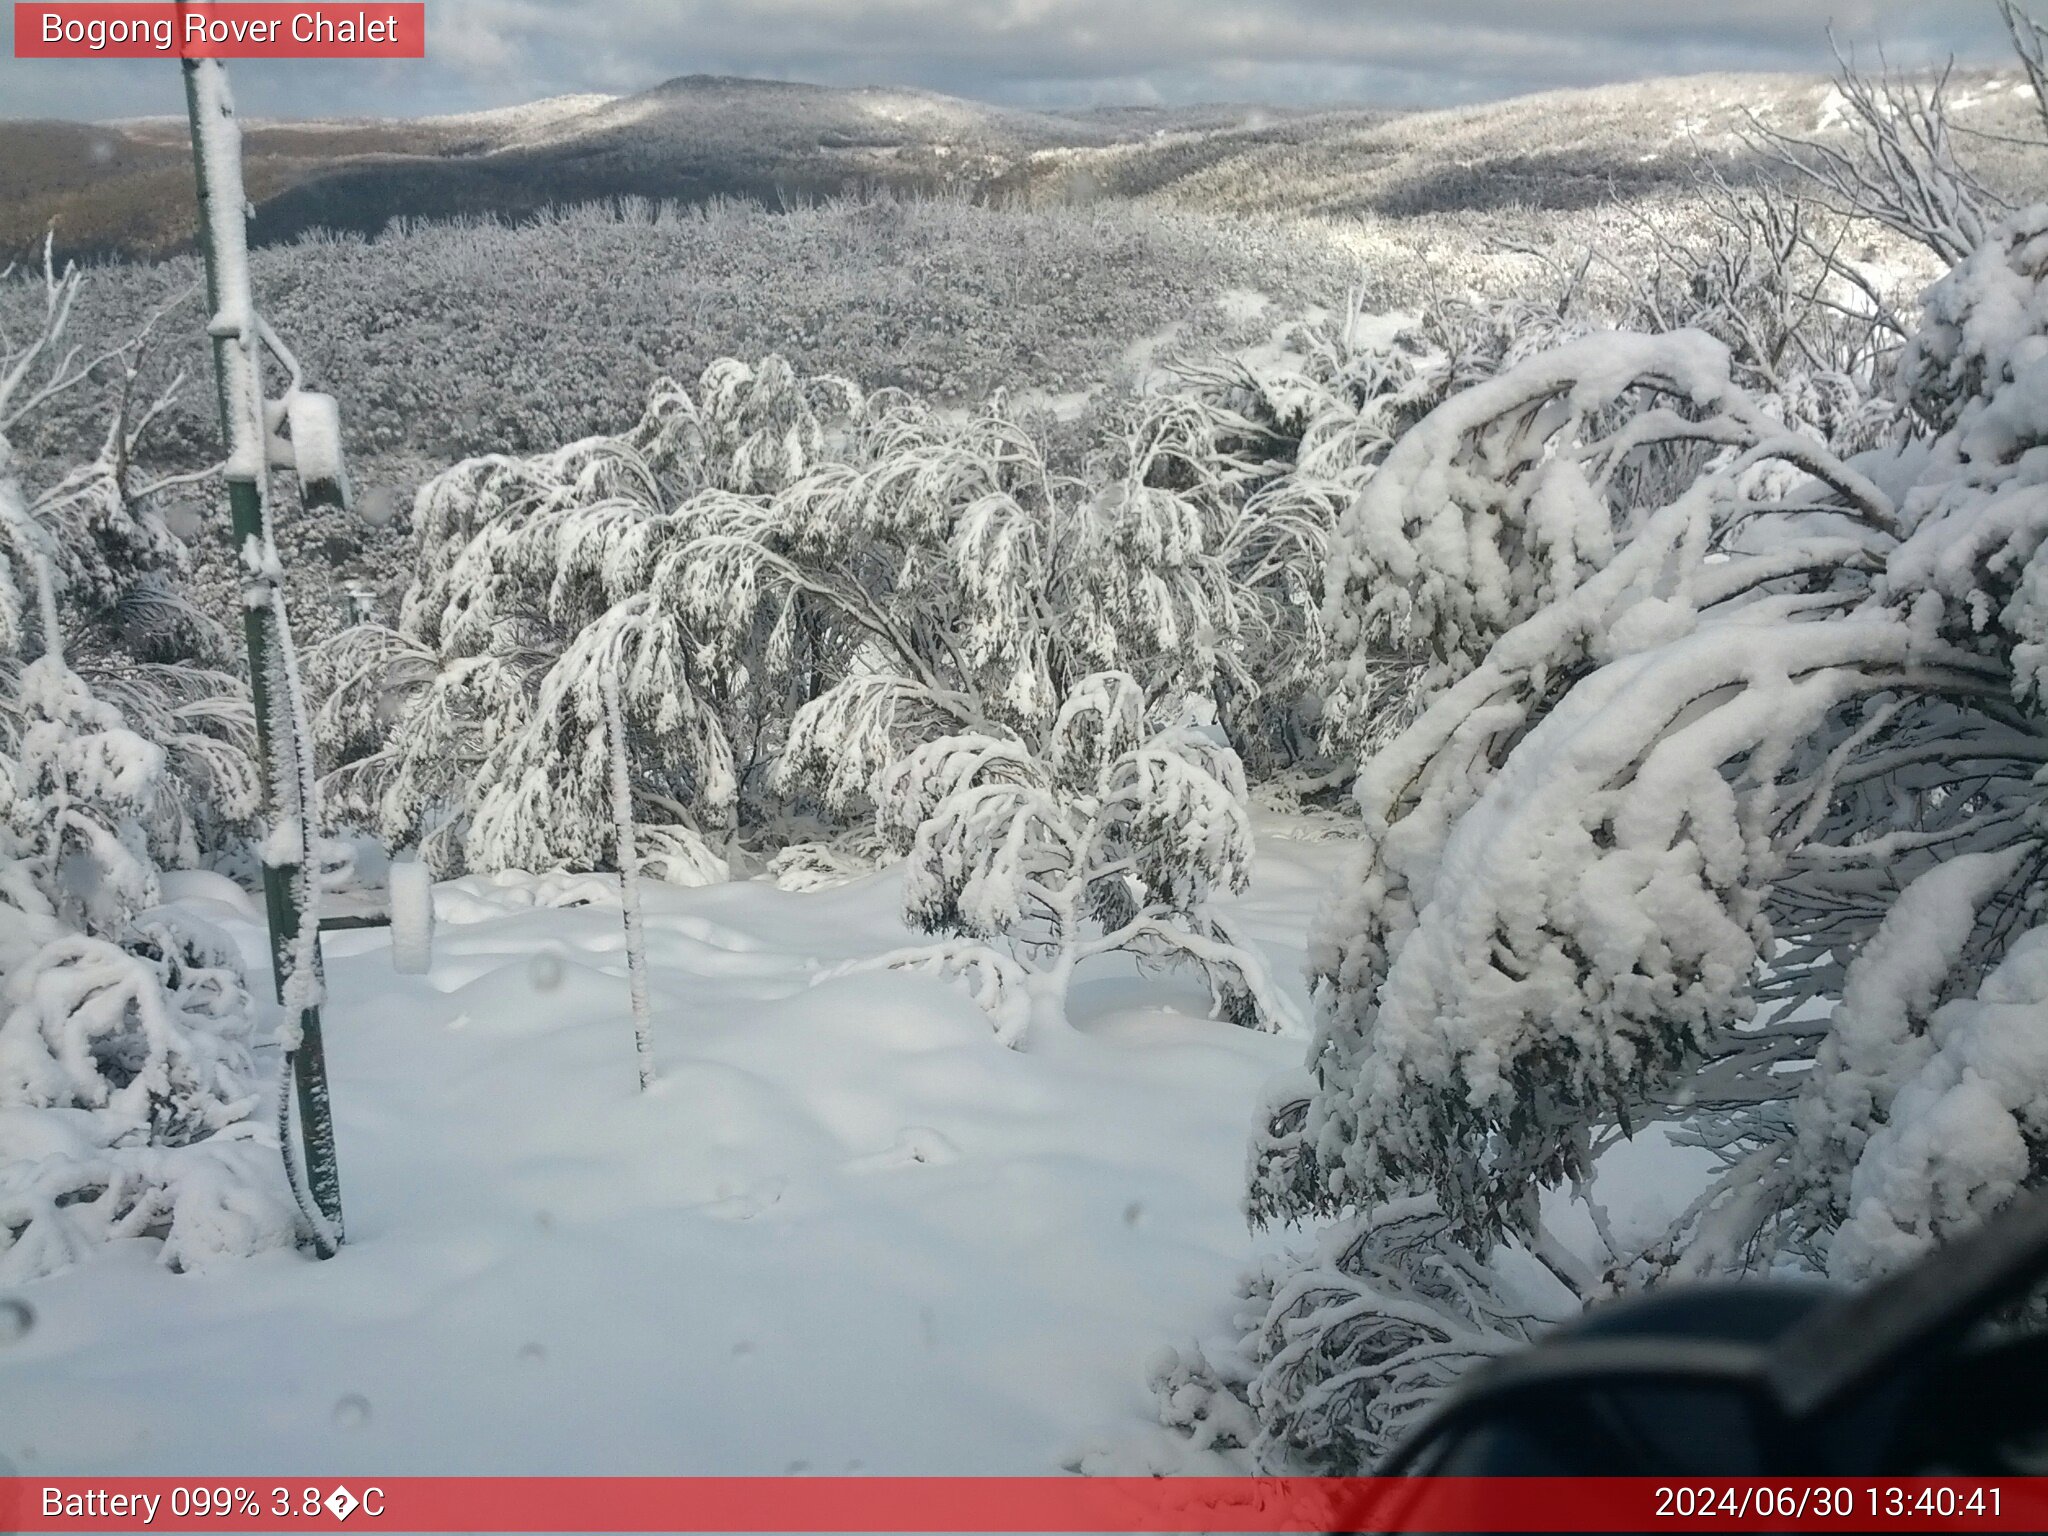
(484, 53)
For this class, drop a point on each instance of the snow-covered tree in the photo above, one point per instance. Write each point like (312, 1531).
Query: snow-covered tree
(475, 729)
(971, 586)
(89, 567)
(1723, 817)
(796, 585)
(1113, 837)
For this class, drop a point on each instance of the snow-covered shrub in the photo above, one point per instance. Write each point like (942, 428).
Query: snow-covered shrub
(1111, 837)
(475, 729)
(1352, 1339)
(129, 1092)
(93, 537)
(1561, 906)
(969, 589)
(795, 584)
(78, 783)
(1724, 818)
(131, 1104)
(820, 865)
(130, 1100)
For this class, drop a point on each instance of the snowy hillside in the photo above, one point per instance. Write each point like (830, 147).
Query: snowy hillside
(1557, 150)
(113, 186)
(713, 114)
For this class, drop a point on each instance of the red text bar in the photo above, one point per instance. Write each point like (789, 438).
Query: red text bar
(155, 29)
(1018, 1504)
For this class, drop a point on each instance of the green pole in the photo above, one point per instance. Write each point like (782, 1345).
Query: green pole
(246, 519)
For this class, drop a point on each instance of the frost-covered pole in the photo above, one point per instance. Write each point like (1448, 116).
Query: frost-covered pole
(280, 727)
(629, 876)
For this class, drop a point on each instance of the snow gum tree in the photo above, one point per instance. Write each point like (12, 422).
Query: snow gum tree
(1722, 817)
(476, 727)
(818, 606)
(974, 587)
(1110, 839)
(997, 617)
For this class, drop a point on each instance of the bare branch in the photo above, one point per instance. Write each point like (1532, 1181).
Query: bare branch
(1904, 172)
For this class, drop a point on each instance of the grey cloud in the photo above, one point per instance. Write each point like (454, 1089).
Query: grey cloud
(1054, 52)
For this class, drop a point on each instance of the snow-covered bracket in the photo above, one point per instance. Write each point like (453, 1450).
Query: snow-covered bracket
(313, 421)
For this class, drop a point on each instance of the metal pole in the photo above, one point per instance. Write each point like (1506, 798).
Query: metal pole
(246, 496)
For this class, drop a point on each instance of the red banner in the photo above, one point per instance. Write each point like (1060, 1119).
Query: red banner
(1018, 1504)
(157, 29)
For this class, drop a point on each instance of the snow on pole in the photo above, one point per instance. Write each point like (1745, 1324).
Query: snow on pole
(629, 878)
(283, 740)
(411, 885)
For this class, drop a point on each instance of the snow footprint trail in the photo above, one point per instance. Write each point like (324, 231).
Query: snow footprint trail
(846, 1227)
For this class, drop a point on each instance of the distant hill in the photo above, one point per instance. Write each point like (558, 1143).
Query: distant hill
(1553, 150)
(124, 188)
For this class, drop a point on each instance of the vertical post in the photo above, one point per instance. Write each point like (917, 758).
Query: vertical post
(629, 873)
(237, 366)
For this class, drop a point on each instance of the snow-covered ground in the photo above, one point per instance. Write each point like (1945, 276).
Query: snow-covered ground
(846, 1232)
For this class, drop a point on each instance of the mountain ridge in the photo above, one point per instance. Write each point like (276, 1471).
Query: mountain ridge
(122, 188)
